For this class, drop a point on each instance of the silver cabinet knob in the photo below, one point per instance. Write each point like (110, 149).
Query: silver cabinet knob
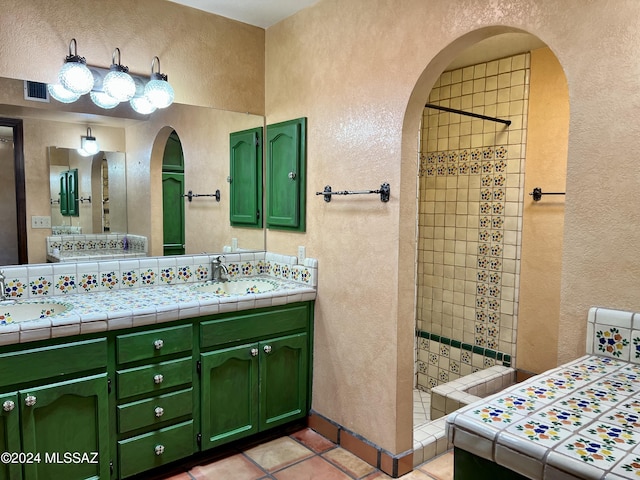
(158, 379)
(158, 344)
(254, 352)
(30, 400)
(8, 405)
(267, 349)
(159, 411)
(292, 175)
(159, 449)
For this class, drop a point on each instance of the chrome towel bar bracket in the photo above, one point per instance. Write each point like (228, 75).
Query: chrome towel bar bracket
(384, 191)
(538, 193)
(190, 195)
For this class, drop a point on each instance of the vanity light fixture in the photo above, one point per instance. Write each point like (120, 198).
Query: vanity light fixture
(74, 74)
(61, 94)
(88, 145)
(109, 87)
(158, 91)
(118, 83)
(103, 100)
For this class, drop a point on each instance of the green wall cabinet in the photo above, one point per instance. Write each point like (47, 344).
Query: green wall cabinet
(286, 175)
(173, 213)
(246, 178)
(148, 396)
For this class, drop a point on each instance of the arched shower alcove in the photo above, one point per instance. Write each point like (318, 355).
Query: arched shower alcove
(487, 256)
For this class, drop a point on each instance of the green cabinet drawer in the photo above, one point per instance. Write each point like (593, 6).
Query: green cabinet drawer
(154, 344)
(53, 361)
(242, 328)
(154, 378)
(155, 449)
(156, 410)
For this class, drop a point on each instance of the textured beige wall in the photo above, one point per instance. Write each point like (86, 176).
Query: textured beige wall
(543, 221)
(361, 71)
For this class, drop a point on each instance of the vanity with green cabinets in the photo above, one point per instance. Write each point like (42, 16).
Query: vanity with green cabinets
(125, 398)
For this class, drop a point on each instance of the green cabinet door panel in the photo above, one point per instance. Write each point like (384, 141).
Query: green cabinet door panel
(246, 178)
(286, 175)
(173, 213)
(10, 435)
(69, 416)
(69, 193)
(283, 380)
(229, 394)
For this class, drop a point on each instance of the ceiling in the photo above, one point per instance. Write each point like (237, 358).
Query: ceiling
(261, 13)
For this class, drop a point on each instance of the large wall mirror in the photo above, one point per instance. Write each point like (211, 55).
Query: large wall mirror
(123, 179)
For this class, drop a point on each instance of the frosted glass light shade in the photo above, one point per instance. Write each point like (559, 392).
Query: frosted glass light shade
(159, 92)
(119, 85)
(61, 94)
(89, 145)
(103, 100)
(142, 105)
(84, 153)
(76, 77)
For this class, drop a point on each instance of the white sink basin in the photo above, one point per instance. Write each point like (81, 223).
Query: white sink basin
(21, 312)
(237, 287)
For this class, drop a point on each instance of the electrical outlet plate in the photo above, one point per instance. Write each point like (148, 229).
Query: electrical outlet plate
(301, 254)
(38, 221)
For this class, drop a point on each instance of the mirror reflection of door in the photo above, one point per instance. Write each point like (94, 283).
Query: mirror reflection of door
(172, 196)
(13, 230)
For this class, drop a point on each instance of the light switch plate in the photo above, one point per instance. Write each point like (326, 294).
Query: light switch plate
(38, 221)
(301, 255)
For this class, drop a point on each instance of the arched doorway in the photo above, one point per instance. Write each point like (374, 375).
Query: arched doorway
(475, 222)
(172, 197)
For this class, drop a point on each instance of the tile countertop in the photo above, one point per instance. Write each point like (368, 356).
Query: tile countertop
(580, 420)
(112, 310)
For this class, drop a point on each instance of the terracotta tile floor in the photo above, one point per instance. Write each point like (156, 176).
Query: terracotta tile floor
(305, 455)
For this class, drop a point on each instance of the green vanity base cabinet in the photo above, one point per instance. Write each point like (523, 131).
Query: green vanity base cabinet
(257, 385)
(467, 466)
(10, 435)
(67, 418)
(154, 449)
(57, 413)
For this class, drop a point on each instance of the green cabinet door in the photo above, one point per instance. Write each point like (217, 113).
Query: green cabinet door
(10, 435)
(65, 418)
(283, 380)
(286, 175)
(245, 166)
(173, 213)
(229, 394)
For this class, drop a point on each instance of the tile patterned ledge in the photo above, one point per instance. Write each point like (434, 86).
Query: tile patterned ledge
(579, 420)
(122, 294)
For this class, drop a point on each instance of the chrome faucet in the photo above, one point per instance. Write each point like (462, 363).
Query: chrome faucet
(219, 270)
(3, 287)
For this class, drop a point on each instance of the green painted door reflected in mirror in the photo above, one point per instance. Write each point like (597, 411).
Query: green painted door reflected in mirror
(172, 196)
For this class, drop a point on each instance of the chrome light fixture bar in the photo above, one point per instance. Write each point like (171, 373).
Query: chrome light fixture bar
(110, 87)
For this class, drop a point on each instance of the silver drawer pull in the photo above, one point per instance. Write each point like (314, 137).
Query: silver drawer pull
(8, 405)
(267, 349)
(158, 379)
(254, 352)
(30, 400)
(159, 411)
(158, 344)
(159, 449)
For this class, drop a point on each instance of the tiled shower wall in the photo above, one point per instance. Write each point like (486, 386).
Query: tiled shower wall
(471, 194)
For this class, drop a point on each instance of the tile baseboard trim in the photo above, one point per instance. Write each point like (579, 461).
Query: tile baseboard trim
(394, 465)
